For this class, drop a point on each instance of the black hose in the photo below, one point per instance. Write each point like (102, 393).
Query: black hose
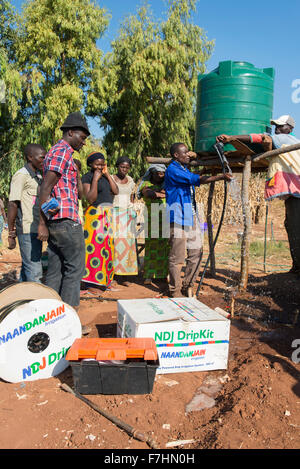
(215, 241)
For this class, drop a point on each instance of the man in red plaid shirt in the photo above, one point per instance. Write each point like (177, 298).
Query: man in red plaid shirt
(62, 227)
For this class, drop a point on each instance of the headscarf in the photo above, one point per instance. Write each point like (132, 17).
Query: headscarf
(153, 168)
(93, 157)
(123, 159)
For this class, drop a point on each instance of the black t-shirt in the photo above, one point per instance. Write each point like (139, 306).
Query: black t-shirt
(105, 195)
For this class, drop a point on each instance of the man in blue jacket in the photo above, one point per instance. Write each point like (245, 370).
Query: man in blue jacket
(185, 230)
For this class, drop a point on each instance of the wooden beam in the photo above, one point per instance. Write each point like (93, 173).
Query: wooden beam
(194, 163)
(210, 229)
(277, 152)
(213, 161)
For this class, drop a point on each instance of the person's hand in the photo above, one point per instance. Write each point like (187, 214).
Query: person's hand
(11, 242)
(192, 155)
(228, 177)
(43, 232)
(105, 171)
(53, 211)
(97, 174)
(223, 138)
(160, 195)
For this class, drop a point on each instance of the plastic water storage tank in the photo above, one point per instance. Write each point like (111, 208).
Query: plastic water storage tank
(234, 99)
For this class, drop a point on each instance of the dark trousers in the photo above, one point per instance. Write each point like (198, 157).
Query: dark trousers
(292, 226)
(66, 259)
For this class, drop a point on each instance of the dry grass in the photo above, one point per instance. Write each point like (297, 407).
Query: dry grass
(234, 214)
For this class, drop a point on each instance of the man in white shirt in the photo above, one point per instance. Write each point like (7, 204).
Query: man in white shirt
(23, 213)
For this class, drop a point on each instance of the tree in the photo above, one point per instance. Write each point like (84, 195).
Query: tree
(58, 42)
(46, 57)
(11, 90)
(145, 91)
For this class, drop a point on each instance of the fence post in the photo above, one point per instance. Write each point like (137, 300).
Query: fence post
(247, 225)
(266, 229)
(210, 229)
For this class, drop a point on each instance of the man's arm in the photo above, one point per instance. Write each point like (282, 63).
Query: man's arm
(220, 177)
(11, 220)
(79, 185)
(47, 185)
(230, 138)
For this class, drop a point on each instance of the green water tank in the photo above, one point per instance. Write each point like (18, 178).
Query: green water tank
(234, 99)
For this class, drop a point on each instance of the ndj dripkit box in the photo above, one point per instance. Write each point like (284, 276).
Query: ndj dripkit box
(189, 335)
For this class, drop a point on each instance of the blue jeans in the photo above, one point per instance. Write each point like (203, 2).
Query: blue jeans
(66, 259)
(31, 253)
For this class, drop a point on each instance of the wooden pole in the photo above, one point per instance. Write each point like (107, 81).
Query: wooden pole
(277, 152)
(212, 161)
(247, 225)
(266, 232)
(193, 163)
(210, 229)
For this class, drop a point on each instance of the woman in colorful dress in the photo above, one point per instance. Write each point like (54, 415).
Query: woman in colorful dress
(152, 191)
(125, 263)
(99, 189)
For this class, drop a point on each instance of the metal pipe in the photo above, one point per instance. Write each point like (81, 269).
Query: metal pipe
(123, 425)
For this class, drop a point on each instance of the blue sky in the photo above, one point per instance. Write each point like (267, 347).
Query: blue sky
(263, 33)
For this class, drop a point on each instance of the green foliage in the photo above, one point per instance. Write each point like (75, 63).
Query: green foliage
(11, 84)
(145, 91)
(58, 43)
(7, 27)
(47, 56)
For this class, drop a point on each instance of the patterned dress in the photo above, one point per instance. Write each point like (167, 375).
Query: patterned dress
(156, 241)
(125, 260)
(99, 246)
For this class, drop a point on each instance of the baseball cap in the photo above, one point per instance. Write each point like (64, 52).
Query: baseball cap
(75, 120)
(282, 120)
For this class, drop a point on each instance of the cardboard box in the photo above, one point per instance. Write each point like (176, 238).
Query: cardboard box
(189, 335)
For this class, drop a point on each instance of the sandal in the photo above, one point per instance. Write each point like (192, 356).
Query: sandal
(89, 294)
(111, 288)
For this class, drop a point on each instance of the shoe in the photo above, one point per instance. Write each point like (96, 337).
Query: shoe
(127, 283)
(294, 270)
(147, 281)
(174, 295)
(85, 330)
(188, 292)
(89, 294)
(111, 288)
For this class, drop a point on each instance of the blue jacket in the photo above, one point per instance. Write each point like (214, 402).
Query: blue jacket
(178, 183)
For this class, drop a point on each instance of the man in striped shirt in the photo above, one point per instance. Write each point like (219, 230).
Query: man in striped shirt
(62, 228)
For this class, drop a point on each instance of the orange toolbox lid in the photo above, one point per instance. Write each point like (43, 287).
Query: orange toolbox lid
(112, 349)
